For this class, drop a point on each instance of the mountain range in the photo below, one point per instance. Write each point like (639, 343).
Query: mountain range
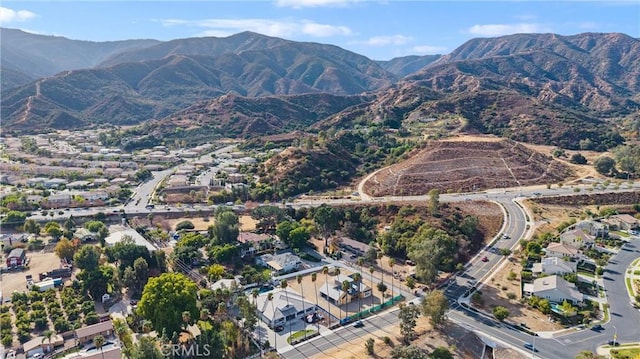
(569, 91)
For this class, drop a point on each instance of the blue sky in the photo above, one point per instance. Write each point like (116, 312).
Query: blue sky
(379, 30)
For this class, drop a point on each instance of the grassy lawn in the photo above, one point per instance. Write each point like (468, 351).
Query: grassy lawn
(625, 353)
(629, 288)
(586, 274)
(299, 334)
(621, 234)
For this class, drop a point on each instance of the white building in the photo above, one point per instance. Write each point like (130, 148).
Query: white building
(280, 263)
(283, 307)
(555, 289)
(554, 265)
(119, 233)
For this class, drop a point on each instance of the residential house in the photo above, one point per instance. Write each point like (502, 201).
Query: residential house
(225, 283)
(623, 222)
(16, 258)
(333, 291)
(253, 243)
(42, 345)
(554, 265)
(84, 234)
(577, 238)
(284, 307)
(596, 229)
(561, 250)
(120, 233)
(353, 246)
(280, 263)
(86, 334)
(555, 289)
(57, 200)
(55, 183)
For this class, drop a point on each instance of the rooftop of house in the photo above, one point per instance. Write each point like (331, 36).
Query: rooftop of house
(562, 248)
(94, 329)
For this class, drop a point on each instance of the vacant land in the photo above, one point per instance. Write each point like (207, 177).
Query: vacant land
(465, 165)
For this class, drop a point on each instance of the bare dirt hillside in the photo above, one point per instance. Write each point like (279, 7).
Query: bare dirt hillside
(463, 165)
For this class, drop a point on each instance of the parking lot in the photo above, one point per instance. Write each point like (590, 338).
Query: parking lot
(38, 262)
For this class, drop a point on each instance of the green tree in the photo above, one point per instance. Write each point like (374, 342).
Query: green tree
(369, 346)
(65, 249)
(98, 341)
(299, 237)
(605, 165)
(501, 313)
(441, 353)
(164, 298)
(185, 225)
(14, 218)
(327, 219)
(434, 201)
(578, 159)
(53, 229)
(31, 226)
(435, 306)
(87, 257)
(225, 229)
(408, 315)
(146, 348)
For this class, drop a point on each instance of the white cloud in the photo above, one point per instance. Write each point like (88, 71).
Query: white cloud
(428, 50)
(298, 4)
(226, 27)
(7, 15)
(323, 30)
(507, 29)
(388, 40)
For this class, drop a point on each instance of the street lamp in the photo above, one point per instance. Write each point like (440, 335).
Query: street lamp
(615, 335)
(533, 346)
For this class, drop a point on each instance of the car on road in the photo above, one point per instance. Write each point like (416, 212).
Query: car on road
(530, 347)
(133, 302)
(359, 324)
(597, 328)
(485, 259)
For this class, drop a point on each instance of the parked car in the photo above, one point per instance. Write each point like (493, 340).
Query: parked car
(597, 327)
(279, 328)
(485, 259)
(359, 324)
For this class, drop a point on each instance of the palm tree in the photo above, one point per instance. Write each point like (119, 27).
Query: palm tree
(299, 280)
(284, 285)
(380, 255)
(314, 277)
(360, 263)
(357, 278)
(273, 318)
(47, 335)
(392, 262)
(345, 288)
(371, 270)
(98, 341)
(254, 294)
(337, 272)
(204, 313)
(325, 271)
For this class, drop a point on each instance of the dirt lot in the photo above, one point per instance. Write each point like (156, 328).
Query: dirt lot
(39, 262)
(246, 223)
(494, 293)
(465, 165)
(462, 343)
